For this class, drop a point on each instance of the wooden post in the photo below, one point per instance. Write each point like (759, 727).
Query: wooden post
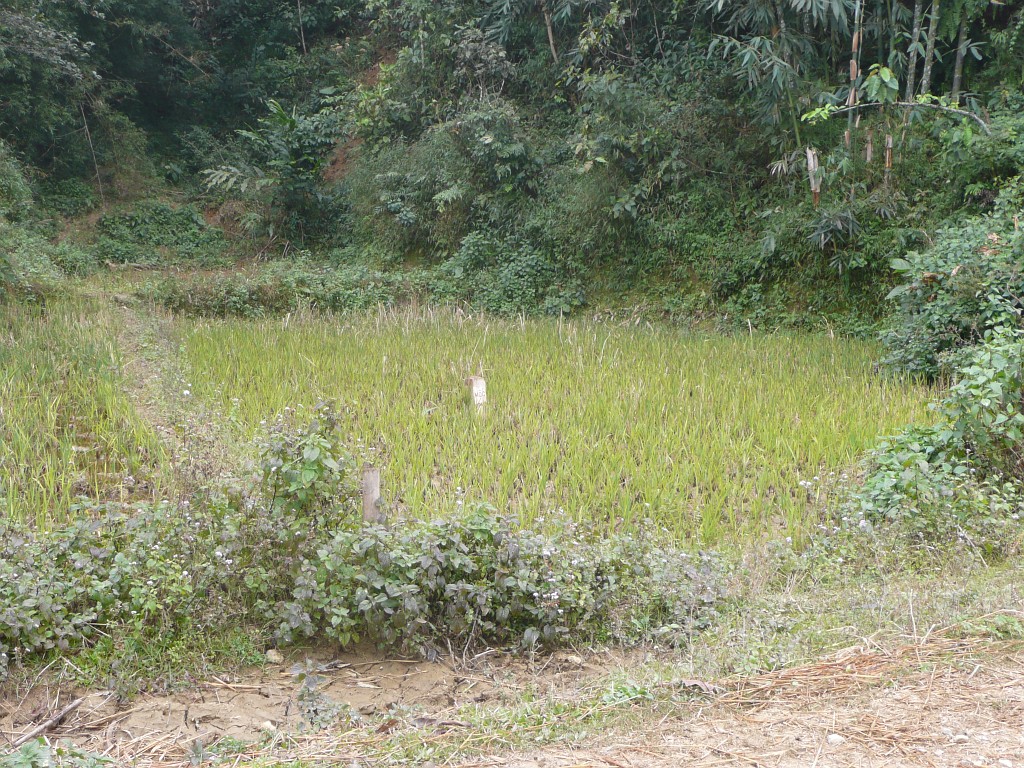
(478, 391)
(372, 512)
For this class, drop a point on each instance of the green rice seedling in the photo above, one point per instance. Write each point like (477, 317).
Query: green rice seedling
(713, 437)
(67, 426)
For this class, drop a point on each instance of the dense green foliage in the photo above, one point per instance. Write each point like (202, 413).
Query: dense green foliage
(539, 154)
(959, 478)
(970, 281)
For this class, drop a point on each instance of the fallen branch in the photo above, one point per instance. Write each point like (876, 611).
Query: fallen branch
(913, 104)
(47, 725)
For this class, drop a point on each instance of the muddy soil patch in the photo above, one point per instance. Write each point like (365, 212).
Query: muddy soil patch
(941, 702)
(261, 702)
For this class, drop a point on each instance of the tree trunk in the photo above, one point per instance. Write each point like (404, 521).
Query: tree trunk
(881, 6)
(929, 51)
(915, 37)
(890, 21)
(302, 31)
(961, 49)
(551, 31)
(784, 53)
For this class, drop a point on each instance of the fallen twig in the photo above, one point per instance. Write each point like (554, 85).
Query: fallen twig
(47, 725)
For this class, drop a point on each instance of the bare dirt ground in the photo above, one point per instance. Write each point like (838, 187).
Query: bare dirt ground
(943, 715)
(937, 703)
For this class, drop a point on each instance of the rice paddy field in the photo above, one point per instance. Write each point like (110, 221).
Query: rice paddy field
(715, 438)
(68, 430)
(712, 437)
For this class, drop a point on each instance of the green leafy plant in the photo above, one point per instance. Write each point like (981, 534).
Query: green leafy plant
(15, 193)
(39, 754)
(294, 558)
(970, 281)
(959, 478)
(155, 232)
(288, 150)
(318, 710)
(27, 270)
(304, 471)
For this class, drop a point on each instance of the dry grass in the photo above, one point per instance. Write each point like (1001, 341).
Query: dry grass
(889, 705)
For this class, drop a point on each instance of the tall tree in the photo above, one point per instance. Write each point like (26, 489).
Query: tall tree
(959, 20)
(505, 13)
(776, 46)
(929, 51)
(958, 67)
(915, 40)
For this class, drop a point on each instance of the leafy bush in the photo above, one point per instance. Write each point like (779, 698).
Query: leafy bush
(26, 268)
(304, 470)
(960, 478)
(979, 163)
(288, 151)
(279, 288)
(15, 194)
(295, 558)
(68, 197)
(507, 277)
(73, 259)
(970, 281)
(152, 232)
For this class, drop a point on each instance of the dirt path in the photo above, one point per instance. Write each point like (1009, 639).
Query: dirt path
(201, 449)
(940, 718)
(937, 703)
